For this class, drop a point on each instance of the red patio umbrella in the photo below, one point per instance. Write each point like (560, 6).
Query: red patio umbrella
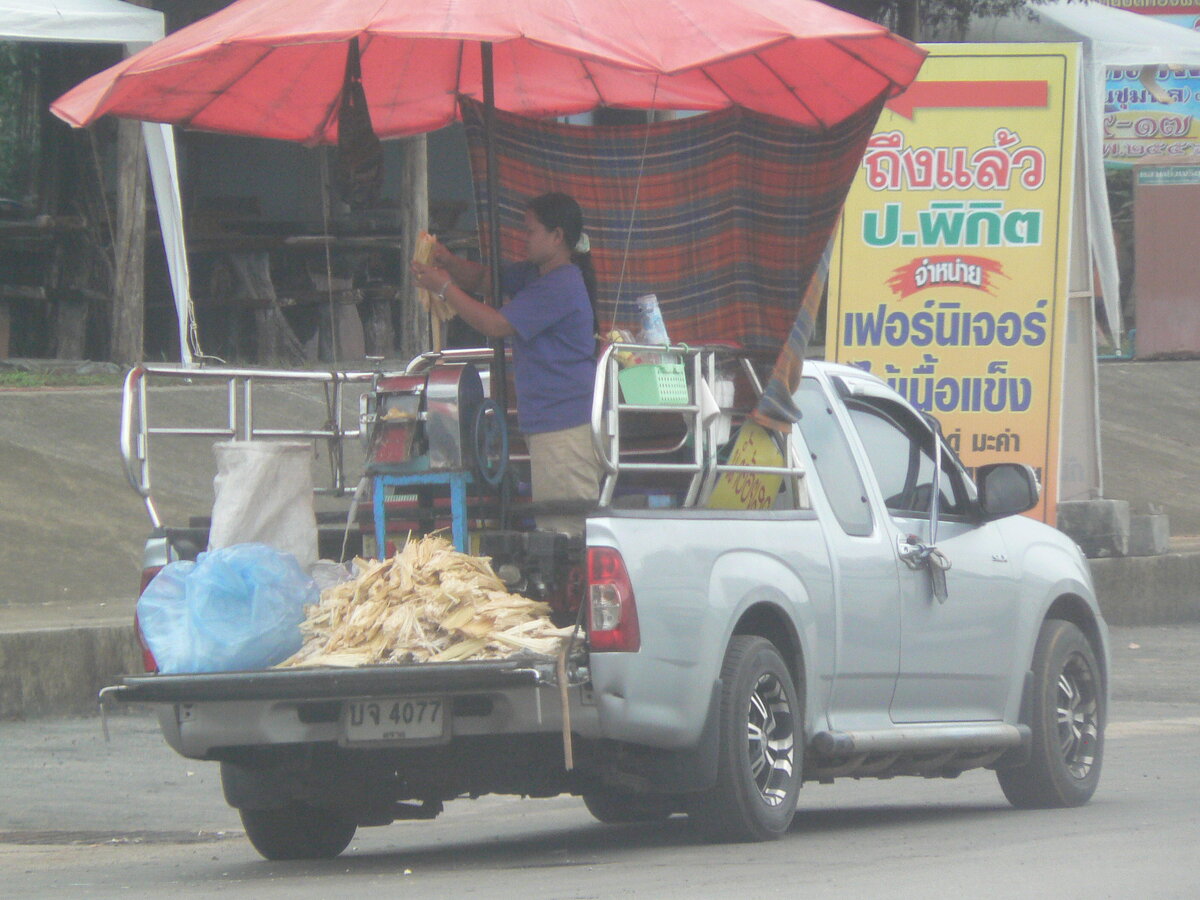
(274, 68)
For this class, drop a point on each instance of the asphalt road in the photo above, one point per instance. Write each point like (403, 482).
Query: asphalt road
(83, 818)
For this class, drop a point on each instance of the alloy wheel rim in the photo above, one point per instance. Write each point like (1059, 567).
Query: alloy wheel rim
(1077, 713)
(771, 739)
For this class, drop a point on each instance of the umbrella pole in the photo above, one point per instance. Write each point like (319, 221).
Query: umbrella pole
(499, 377)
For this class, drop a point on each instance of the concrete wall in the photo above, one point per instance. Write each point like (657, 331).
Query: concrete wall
(60, 671)
(1149, 590)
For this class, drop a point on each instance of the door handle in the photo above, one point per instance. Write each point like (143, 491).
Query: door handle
(917, 555)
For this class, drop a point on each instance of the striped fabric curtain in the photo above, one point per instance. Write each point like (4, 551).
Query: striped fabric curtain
(725, 216)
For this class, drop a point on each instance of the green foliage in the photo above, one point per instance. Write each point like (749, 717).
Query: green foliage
(949, 17)
(939, 19)
(20, 379)
(18, 140)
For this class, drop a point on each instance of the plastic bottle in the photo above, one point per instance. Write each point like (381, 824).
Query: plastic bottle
(654, 330)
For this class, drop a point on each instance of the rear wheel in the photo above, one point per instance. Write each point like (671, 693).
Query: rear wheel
(759, 747)
(1067, 720)
(618, 808)
(297, 831)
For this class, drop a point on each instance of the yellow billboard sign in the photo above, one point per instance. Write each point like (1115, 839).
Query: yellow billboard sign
(949, 274)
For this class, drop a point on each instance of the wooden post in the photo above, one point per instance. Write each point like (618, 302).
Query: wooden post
(73, 297)
(379, 336)
(414, 200)
(129, 291)
(70, 327)
(276, 342)
(340, 337)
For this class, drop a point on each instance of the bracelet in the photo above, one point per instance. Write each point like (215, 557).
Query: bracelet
(441, 295)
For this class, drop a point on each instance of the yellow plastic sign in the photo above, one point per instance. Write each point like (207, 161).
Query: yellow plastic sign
(747, 490)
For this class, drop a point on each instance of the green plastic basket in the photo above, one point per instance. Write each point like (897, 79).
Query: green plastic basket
(658, 384)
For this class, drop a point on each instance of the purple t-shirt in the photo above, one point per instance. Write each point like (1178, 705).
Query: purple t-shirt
(554, 348)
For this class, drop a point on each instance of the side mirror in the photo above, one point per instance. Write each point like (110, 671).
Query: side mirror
(1006, 489)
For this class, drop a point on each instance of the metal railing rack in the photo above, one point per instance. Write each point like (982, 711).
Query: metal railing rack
(239, 419)
(701, 416)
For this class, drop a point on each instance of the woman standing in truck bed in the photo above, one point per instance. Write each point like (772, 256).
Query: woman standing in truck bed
(551, 320)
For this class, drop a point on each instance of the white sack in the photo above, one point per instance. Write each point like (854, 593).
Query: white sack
(264, 494)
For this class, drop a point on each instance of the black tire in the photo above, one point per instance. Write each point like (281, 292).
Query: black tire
(297, 831)
(759, 747)
(613, 807)
(1067, 717)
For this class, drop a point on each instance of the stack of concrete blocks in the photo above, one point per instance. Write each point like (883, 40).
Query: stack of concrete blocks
(1108, 528)
(1149, 534)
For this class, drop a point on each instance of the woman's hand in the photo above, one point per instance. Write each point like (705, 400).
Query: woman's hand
(433, 278)
(478, 315)
(468, 275)
(440, 255)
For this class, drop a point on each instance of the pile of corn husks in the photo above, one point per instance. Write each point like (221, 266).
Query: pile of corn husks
(428, 603)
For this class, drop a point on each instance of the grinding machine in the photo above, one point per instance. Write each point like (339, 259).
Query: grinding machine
(437, 432)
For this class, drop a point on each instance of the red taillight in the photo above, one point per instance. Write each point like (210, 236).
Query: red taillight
(612, 613)
(149, 663)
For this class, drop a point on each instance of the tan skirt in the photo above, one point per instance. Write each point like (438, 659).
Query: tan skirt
(564, 467)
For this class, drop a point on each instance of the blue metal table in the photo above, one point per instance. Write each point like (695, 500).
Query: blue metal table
(457, 482)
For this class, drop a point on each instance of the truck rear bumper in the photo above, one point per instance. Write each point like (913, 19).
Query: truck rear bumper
(202, 714)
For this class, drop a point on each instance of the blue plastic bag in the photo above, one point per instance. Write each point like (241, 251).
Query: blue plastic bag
(233, 609)
(162, 614)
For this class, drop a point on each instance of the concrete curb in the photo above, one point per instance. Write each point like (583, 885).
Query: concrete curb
(59, 671)
(1148, 590)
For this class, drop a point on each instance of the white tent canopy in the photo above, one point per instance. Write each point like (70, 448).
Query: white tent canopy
(1110, 38)
(114, 22)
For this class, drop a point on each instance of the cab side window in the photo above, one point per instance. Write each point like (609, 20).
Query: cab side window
(900, 449)
(833, 459)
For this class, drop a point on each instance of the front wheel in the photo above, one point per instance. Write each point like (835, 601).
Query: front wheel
(1067, 720)
(759, 747)
(297, 831)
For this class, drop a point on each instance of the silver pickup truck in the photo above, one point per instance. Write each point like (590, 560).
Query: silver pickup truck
(883, 613)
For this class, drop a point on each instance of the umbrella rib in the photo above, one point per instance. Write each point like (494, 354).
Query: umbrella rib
(855, 56)
(228, 83)
(892, 85)
(716, 84)
(791, 90)
(595, 87)
(458, 70)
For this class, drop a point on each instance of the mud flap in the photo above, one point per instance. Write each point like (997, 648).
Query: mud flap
(674, 771)
(1019, 756)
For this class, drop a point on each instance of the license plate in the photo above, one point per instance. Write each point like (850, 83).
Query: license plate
(394, 719)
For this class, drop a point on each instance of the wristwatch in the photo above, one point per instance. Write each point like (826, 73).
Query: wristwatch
(441, 295)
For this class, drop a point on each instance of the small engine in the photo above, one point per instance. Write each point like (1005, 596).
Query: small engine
(541, 565)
